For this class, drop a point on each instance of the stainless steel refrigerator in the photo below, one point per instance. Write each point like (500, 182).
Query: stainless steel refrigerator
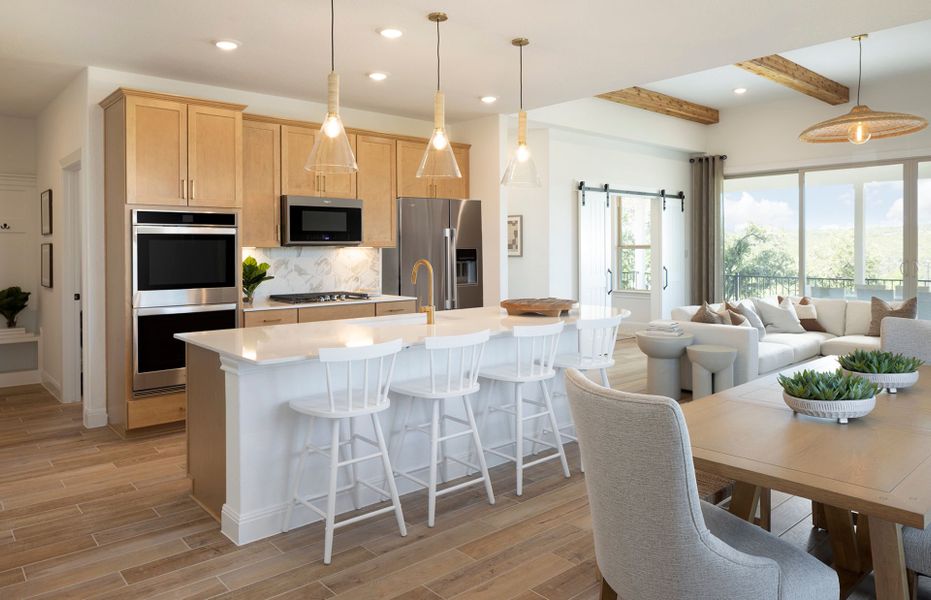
(448, 233)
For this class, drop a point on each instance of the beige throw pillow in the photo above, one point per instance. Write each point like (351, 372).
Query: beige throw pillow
(706, 314)
(807, 313)
(880, 309)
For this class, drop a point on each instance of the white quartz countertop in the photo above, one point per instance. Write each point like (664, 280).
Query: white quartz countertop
(276, 344)
(268, 304)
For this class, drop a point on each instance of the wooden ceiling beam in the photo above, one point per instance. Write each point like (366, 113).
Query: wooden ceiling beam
(663, 104)
(795, 76)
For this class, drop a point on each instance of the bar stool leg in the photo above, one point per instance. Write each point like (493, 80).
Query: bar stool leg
(402, 432)
(347, 452)
(298, 473)
(519, 436)
(389, 474)
(604, 378)
(444, 463)
(331, 496)
(483, 416)
(556, 436)
(479, 450)
(434, 459)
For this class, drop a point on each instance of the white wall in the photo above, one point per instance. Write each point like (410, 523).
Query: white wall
(529, 275)
(17, 145)
(61, 132)
(764, 137)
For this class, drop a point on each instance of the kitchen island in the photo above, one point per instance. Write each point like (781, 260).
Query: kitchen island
(243, 436)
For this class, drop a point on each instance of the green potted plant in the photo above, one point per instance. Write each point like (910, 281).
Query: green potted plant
(253, 274)
(886, 369)
(12, 301)
(829, 394)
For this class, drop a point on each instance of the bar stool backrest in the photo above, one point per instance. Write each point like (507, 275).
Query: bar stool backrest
(455, 360)
(597, 338)
(346, 368)
(536, 348)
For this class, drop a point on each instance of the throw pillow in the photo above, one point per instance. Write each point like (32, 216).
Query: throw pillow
(807, 313)
(706, 314)
(752, 318)
(737, 319)
(880, 309)
(779, 319)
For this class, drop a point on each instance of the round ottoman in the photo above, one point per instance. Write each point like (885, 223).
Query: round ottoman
(712, 369)
(663, 354)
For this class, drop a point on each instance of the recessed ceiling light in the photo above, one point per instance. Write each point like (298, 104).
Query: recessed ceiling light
(376, 76)
(226, 45)
(489, 99)
(740, 91)
(390, 32)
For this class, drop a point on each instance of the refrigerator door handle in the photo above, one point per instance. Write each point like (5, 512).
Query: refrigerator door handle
(451, 269)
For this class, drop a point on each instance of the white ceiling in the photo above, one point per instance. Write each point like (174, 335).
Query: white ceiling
(578, 49)
(887, 54)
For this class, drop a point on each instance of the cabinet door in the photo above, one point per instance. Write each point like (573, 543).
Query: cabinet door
(156, 151)
(214, 157)
(456, 188)
(341, 185)
(334, 313)
(376, 189)
(399, 307)
(296, 144)
(409, 186)
(261, 182)
(262, 318)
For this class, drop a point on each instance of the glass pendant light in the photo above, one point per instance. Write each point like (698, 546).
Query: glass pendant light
(862, 123)
(332, 152)
(438, 160)
(521, 171)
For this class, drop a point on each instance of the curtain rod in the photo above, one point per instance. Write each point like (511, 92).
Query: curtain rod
(721, 156)
(607, 189)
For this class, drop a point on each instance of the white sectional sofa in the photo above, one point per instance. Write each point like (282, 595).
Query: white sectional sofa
(846, 323)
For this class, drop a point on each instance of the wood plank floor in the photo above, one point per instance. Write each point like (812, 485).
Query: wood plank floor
(84, 514)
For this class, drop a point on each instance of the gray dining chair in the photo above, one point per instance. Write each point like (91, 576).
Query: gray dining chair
(654, 538)
(910, 337)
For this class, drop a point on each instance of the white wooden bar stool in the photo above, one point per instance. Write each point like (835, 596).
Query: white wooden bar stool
(595, 352)
(534, 363)
(367, 373)
(454, 366)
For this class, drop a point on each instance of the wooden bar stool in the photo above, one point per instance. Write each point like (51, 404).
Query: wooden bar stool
(595, 352)
(367, 373)
(454, 366)
(534, 363)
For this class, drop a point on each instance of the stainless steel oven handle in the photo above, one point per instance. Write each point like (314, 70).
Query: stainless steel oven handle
(174, 310)
(185, 229)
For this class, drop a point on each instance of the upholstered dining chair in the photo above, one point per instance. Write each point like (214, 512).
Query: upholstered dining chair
(907, 336)
(654, 538)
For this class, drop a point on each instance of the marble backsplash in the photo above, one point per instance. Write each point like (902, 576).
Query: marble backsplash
(310, 269)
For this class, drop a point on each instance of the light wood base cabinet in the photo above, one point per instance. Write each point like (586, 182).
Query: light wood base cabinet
(261, 318)
(335, 312)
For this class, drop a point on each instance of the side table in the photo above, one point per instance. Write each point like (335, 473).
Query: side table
(663, 354)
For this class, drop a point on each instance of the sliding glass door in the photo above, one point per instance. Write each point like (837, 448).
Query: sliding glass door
(922, 264)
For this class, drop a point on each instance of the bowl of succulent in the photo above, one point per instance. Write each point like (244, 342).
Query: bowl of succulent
(829, 394)
(885, 369)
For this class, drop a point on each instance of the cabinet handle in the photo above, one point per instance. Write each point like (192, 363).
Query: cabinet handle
(192, 189)
(183, 195)
(278, 320)
(394, 310)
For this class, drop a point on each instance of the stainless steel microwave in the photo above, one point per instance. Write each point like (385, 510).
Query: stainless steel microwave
(312, 221)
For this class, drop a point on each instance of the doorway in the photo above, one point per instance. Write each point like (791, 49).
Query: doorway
(72, 316)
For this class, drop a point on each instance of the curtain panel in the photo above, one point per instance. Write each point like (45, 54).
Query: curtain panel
(707, 253)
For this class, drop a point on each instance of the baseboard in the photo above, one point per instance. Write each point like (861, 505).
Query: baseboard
(19, 378)
(95, 417)
(52, 385)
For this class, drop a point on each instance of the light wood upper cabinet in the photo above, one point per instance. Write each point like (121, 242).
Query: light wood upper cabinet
(261, 180)
(377, 190)
(156, 151)
(296, 144)
(214, 157)
(409, 185)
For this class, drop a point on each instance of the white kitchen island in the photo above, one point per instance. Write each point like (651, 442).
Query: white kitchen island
(243, 438)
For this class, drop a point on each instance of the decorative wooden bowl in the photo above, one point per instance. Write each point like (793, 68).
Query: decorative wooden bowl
(545, 307)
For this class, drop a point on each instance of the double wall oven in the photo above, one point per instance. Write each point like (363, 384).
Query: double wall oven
(184, 278)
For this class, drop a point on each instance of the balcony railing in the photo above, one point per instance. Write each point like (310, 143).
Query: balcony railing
(740, 285)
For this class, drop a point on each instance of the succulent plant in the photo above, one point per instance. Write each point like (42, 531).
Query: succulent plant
(827, 385)
(878, 361)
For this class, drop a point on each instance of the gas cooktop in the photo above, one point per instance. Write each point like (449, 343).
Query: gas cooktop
(319, 297)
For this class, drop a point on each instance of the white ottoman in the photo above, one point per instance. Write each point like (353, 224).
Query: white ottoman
(711, 362)
(663, 353)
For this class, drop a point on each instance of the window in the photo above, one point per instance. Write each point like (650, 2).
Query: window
(760, 236)
(634, 232)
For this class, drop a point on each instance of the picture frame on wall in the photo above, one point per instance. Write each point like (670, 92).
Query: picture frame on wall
(46, 206)
(46, 259)
(515, 235)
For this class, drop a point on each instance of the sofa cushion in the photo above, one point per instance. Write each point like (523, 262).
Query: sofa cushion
(880, 309)
(774, 356)
(778, 319)
(849, 343)
(683, 313)
(832, 314)
(804, 345)
(858, 317)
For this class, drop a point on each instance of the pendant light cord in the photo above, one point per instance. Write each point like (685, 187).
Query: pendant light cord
(860, 70)
(521, 49)
(438, 55)
(332, 36)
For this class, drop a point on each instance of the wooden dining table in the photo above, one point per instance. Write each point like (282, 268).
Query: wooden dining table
(867, 479)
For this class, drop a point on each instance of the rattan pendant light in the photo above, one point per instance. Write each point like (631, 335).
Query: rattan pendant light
(332, 152)
(862, 123)
(438, 160)
(521, 170)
